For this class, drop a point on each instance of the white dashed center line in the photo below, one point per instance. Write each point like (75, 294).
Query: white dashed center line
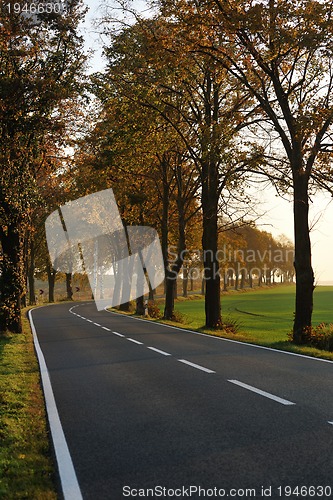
(159, 351)
(262, 393)
(135, 341)
(119, 334)
(202, 368)
(194, 365)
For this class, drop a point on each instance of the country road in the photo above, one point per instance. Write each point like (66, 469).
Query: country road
(150, 411)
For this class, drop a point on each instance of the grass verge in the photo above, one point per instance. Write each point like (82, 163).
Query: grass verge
(26, 467)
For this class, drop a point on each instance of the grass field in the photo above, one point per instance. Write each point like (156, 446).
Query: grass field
(264, 316)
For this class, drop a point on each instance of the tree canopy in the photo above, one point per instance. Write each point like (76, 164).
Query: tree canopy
(41, 71)
(196, 102)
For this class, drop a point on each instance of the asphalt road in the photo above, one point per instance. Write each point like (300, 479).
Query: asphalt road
(155, 412)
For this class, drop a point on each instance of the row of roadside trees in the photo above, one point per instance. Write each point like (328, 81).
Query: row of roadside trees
(197, 101)
(239, 90)
(41, 74)
(248, 257)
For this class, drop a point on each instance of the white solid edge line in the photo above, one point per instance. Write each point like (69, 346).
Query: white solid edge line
(159, 351)
(135, 341)
(225, 340)
(262, 393)
(69, 483)
(202, 368)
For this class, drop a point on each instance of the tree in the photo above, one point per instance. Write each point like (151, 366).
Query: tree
(41, 64)
(151, 64)
(142, 157)
(280, 52)
(186, 185)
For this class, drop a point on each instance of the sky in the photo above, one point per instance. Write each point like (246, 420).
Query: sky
(278, 220)
(277, 213)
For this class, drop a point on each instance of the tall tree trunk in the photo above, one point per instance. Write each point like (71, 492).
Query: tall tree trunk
(151, 295)
(168, 283)
(117, 269)
(171, 275)
(51, 275)
(225, 281)
(243, 278)
(69, 288)
(260, 277)
(210, 199)
(237, 280)
(31, 273)
(211, 264)
(140, 305)
(126, 276)
(165, 235)
(170, 295)
(11, 280)
(185, 281)
(24, 299)
(210, 245)
(191, 280)
(302, 259)
(268, 276)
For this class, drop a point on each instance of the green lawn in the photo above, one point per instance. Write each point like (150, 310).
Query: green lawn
(264, 316)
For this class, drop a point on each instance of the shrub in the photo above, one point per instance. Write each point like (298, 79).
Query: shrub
(321, 336)
(178, 317)
(231, 326)
(154, 310)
